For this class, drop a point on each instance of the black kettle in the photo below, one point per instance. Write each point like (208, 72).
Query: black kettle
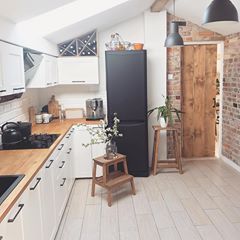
(11, 135)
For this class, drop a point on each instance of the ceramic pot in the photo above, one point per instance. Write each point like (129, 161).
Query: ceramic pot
(163, 123)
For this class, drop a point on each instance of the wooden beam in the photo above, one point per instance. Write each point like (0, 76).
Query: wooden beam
(158, 5)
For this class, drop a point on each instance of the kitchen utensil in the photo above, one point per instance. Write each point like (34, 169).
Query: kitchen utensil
(94, 109)
(31, 112)
(53, 107)
(138, 46)
(10, 135)
(25, 128)
(46, 117)
(38, 118)
(71, 113)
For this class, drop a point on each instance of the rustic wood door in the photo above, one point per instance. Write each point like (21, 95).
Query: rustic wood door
(199, 63)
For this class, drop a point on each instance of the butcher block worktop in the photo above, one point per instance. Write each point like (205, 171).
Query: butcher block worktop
(29, 161)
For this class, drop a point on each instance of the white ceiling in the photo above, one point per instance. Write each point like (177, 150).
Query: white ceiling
(20, 10)
(193, 11)
(103, 20)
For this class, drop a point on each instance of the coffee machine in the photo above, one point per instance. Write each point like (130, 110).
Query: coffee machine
(94, 109)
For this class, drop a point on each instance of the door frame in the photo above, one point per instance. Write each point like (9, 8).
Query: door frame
(220, 51)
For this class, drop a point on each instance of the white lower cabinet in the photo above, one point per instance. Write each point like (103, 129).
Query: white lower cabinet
(82, 156)
(47, 200)
(11, 227)
(32, 211)
(37, 214)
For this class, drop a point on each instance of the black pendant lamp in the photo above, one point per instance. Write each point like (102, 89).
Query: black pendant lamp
(174, 39)
(220, 11)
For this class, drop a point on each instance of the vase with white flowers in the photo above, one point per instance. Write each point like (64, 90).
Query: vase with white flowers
(107, 135)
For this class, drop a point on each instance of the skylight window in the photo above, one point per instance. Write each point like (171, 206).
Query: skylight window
(67, 15)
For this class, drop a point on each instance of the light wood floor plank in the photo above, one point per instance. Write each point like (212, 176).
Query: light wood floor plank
(91, 224)
(203, 198)
(169, 234)
(184, 226)
(147, 227)
(209, 232)
(172, 200)
(197, 215)
(223, 225)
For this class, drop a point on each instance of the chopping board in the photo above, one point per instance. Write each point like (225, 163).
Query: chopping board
(53, 107)
(32, 112)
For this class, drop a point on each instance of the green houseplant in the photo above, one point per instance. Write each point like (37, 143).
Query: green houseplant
(165, 113)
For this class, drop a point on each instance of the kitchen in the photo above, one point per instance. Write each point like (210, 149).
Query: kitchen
(48, 201)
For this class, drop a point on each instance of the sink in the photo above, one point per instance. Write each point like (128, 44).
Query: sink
(7, 184)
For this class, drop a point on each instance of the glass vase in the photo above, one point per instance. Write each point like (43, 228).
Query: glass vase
(111, 150)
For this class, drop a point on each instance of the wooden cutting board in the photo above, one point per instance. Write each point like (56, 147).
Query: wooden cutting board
(53, 107)
(32, 112)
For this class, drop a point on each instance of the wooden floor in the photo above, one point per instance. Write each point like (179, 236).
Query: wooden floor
(203, 203)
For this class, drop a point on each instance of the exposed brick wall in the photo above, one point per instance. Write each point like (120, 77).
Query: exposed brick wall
(191, 32)
(231, 99)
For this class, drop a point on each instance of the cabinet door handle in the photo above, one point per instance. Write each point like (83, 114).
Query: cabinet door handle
(38, 180)
(78, 81)
(20, 88)
(20, 207)
(55, 82)
(63, 162)
(3, 90)
(68, 136)
(49, 83)
(70, 149)
(64, 180)
(61, 146)
(49, 165)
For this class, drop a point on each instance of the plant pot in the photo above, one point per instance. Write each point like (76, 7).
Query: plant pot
(111, 150)
(163, 123)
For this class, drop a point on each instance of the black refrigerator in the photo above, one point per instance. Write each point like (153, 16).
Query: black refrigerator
(126, 74)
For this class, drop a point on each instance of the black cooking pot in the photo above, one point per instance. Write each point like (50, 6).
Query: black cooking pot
(25, 128)
(11, 136)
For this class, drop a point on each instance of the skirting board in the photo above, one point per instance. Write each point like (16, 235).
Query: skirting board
(230, 163)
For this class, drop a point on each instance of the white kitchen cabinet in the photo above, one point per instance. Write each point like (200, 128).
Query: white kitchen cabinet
(11, 227)
(82, 156)
(46, 75)
(48, 200)
(11, 69)
(31, 214)
(78, 70)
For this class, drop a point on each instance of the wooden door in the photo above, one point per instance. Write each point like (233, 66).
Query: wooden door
(199, 63)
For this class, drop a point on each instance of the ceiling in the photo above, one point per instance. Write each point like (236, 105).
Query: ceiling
(193, 11)
(20, 10)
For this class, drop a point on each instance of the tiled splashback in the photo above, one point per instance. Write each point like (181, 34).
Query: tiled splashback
(17, 110)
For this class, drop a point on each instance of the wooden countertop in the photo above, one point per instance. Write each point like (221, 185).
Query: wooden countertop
(29, 162)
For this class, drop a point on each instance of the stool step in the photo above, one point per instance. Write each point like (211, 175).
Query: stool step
(114, 179)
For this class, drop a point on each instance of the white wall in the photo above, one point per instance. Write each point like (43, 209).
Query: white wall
(155, 35)
(17, 110)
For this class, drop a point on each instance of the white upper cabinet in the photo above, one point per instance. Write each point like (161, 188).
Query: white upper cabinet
(46, 75)
(11, 69)
(78, 70)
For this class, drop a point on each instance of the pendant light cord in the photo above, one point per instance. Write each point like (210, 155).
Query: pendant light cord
(174, 8)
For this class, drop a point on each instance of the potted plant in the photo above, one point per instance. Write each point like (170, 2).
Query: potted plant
(106, 135)
(164, 113)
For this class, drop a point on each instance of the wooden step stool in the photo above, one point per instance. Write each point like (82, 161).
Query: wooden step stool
(113, 179)
(166, 163)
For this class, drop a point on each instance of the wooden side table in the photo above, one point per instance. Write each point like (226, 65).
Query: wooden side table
(113, 179)
(166, 163)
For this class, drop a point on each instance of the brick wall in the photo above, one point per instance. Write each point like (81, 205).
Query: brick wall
(231, 99)
(190, 33)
